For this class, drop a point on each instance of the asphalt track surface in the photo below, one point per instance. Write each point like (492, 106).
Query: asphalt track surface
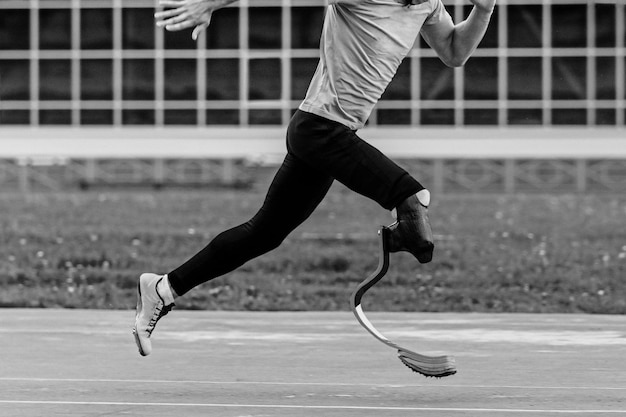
(226, 364)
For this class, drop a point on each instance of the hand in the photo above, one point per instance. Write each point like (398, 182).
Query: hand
(185, 14)
(484, 5)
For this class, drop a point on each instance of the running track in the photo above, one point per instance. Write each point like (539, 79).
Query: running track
(227, 364)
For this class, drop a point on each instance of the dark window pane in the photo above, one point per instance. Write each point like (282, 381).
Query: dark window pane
(437, 116)
(265, 117)
(525, 117)
(525, 78)
(524, 26)
(55, 29)
(481, 117)
(306, 27)
(179, 40)
(180, 79)
(14, 80)
(605, 82)
(138, 117)
(605, 25)
(569, 78)
(222, 79)
(490, 40)
(96, 79)
(481, 79)
(569, 116)
(14, 117)
(400, 86)
(223, 33)
(96, 117)
(302, 70)
(55, 117)
(55, 80)
(265, 28)
(138, 79)
(181, 117)
(96, 29)
(222, 117)
(14, 29)
(569, 26)
(606, 117)
(437, 80)
(394, 117)
(137, 29)
(264, 79)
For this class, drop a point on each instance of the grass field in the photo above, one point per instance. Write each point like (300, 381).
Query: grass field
(521, 253)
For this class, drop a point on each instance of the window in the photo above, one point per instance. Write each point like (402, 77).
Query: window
(14, 79)
(96, 29)
(137, 29)
(14, 29)
(265, 82)
(481, 79)
(55, 79)
(180, 79)
(138, 81)
(55, 29)
(306, 27)
(222, 79)
(524, 26)
(265, 28)
(223, 33)
(96, 79)
(525, 78)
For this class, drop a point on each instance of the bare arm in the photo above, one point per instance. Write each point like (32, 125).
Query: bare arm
(186, 14)
(454, 44)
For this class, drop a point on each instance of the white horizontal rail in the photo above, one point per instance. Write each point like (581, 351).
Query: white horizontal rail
(428, 143)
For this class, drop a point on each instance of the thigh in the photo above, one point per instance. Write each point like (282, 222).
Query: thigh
(295, 192)
(342, 154)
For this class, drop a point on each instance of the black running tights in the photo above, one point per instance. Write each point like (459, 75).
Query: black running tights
(318, 152)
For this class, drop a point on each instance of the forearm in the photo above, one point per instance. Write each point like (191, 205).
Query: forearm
(468, 34)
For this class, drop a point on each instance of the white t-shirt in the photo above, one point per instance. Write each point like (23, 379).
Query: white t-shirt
(361, 47)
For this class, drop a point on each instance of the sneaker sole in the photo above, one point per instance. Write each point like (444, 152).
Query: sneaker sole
(139, 307)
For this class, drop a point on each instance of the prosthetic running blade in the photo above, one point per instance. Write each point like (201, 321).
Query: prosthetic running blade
(430, 366)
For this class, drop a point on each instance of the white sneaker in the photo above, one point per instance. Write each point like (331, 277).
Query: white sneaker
(150, 309)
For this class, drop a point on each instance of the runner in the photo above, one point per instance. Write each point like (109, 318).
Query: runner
(362, 45)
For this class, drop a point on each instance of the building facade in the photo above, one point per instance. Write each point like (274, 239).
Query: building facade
(103, 62)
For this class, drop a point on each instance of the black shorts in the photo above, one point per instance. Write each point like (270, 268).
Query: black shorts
(331, 149)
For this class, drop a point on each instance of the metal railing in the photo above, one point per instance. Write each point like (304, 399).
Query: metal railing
(448, 160)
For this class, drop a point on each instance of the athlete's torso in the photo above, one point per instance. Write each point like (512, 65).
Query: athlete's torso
(361, 47)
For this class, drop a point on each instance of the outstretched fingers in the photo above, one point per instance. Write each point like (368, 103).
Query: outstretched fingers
(180, 26)
(174, 23)
(183, 14)
(166, 14)
(199, 29)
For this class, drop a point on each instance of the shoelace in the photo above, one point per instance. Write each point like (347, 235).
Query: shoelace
(159, 311)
